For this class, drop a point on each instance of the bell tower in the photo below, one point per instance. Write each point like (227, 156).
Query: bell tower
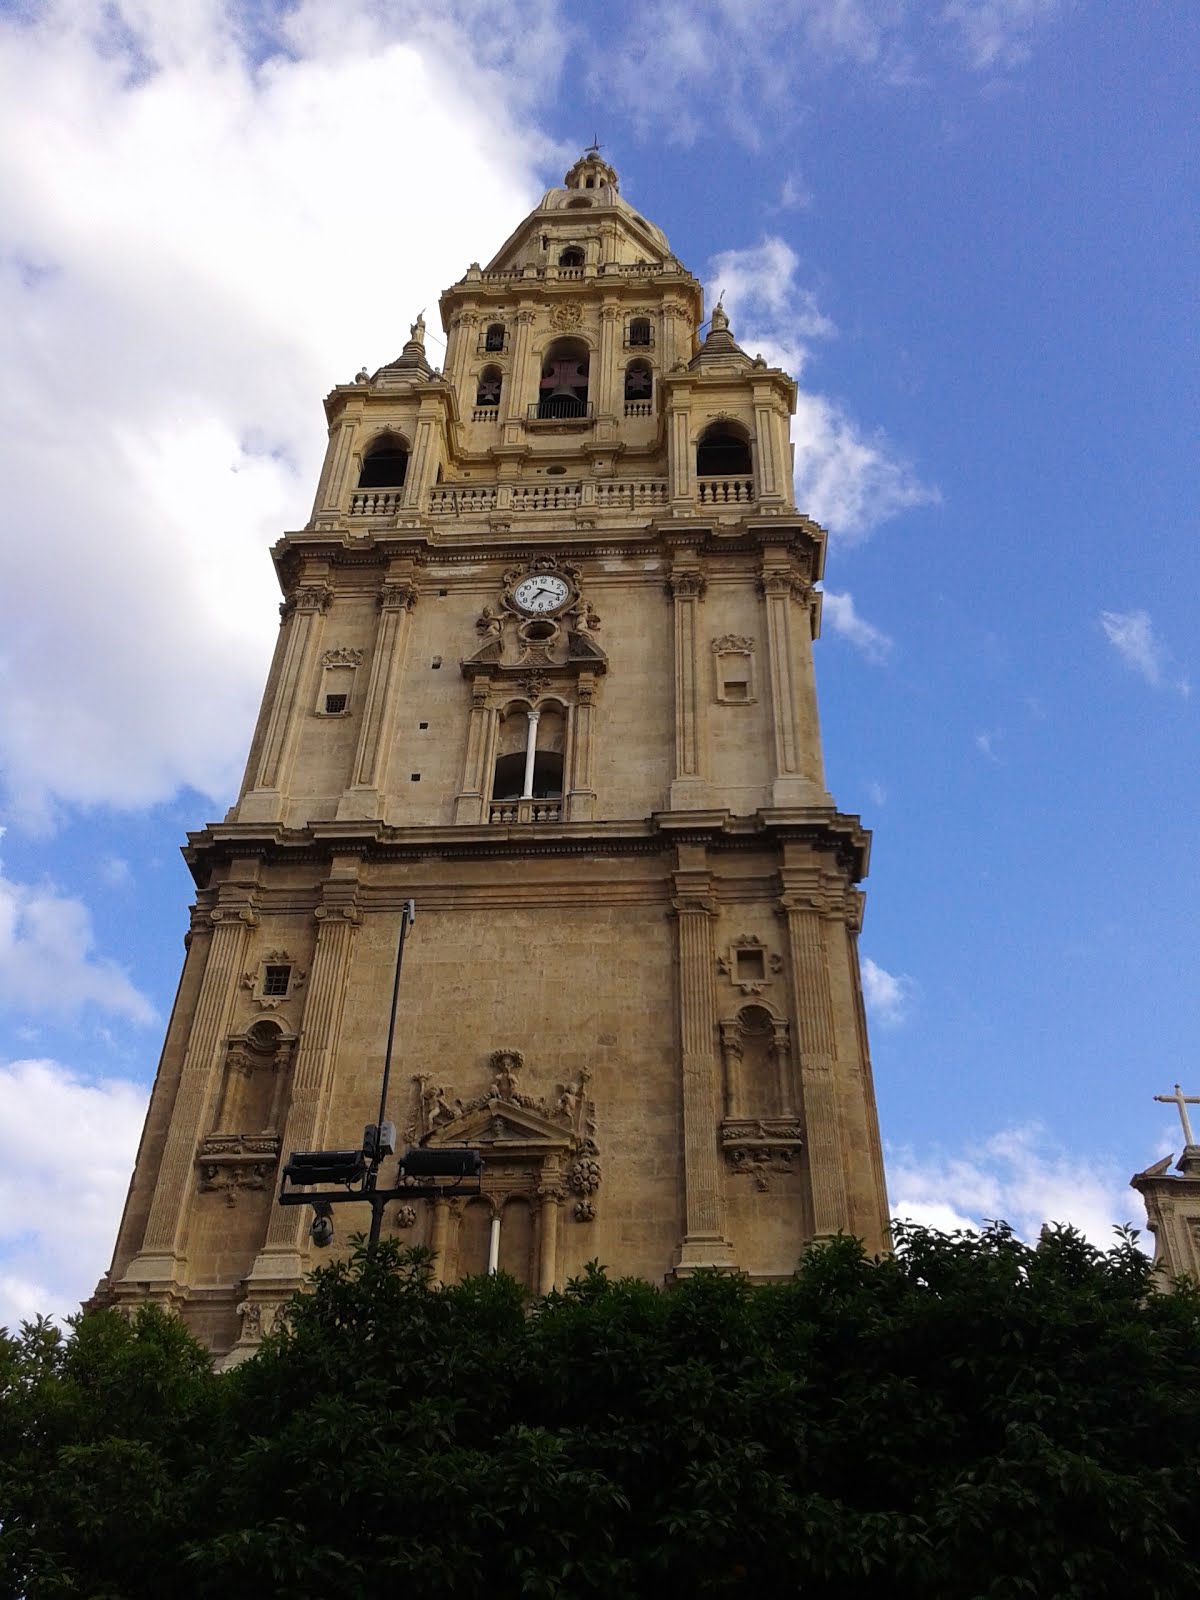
(544, 667)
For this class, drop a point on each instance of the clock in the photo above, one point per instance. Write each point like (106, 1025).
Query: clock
(540, 593)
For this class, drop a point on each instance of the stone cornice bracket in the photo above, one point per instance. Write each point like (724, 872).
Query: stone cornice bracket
(342, 911)
(785, 582)
(398, 596)
(309, 597)
(687, 585)
(229, 914)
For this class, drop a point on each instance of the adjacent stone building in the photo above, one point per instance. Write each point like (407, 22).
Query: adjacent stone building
(545, 667)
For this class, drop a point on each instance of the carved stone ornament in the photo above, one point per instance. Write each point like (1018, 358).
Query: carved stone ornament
(312, 597)
(687, 585)
(259, 1318)
(534, 683)
(566, 316)
(762, 1145)
(228, 1163)
(405, 1216)
(733, 644)
(782, 584)
(342, 656)
(529, 1142)
(398, 596)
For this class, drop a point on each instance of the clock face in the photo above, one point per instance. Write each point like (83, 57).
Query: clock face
(544, 592)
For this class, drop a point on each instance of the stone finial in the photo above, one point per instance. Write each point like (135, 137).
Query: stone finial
(416, 332)
(720, 321)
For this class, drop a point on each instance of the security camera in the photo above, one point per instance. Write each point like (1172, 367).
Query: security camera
(321, 1231)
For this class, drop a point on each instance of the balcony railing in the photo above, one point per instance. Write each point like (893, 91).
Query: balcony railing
(376, 502)
(561, 408)
(444, 501)
(563, 494)
(513, 811)
(485, 413)
(725, 491)
(640, 492)
(639, 408)
(548, 497)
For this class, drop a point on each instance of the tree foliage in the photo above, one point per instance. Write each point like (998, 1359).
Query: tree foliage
(971, 1417)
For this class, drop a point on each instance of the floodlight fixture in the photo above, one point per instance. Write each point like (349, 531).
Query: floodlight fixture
(308, 1167)
(442, 1161)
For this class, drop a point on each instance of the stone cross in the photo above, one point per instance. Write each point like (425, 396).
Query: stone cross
(1182, 1101)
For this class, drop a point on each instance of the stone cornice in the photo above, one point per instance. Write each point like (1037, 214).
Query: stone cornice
(821, 829)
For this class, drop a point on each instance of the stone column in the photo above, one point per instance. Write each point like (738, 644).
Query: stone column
(770, 469)
(679, 458)
(330, 503)
(517, 393)
(608, 401)
(581, 801)
(806, 906)
(688, 789)
(302, 613)
(423, 463)
(281, 1261)
(368, 782)
(162, 1257)
(438, 1235)
(798, 777)
(704, 1243)
(469, 801)
(551, 1194)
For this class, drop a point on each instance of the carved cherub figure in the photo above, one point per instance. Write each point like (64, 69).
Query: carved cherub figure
(489, 623)
(507, 1066)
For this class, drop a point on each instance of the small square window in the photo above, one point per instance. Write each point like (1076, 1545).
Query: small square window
(414, 777)
(422, 724)
(737, 689)
(751, 966)
(335, 704)
(276, 980)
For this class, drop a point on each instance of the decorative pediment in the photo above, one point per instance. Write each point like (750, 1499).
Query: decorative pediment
(501, 1122)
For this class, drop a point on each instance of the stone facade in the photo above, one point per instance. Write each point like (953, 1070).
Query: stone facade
(545, 667)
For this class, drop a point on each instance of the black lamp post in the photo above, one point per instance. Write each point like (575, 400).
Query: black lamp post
(340, 1177)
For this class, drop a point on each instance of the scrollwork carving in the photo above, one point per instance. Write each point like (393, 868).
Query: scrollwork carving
(342, 656)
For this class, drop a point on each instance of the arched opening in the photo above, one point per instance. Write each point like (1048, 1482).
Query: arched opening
(722, 453)
(639, 331)
(385, 465)
(563, 390)
(493, 339)
(487, 390)
(548, 732)
(639, 382)
(580, 204)
(572, 256)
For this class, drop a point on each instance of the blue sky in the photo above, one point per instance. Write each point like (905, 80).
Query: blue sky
(968, 226)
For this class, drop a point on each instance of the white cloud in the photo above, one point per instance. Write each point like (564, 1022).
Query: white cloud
(985, 743)
(1132, 636)
(849, 479)
(1020, 1176)
(998, 35)
(888, 996)
(838, 610)
(114, 872)
(752, 63)
(47, 966)
(201, 234)
(56, 1237)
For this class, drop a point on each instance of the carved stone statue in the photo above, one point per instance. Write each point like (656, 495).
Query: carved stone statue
(507, 1065)
(416, 331)
(489, 624)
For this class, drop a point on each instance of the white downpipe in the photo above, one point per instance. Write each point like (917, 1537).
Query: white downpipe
(494, 1246)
